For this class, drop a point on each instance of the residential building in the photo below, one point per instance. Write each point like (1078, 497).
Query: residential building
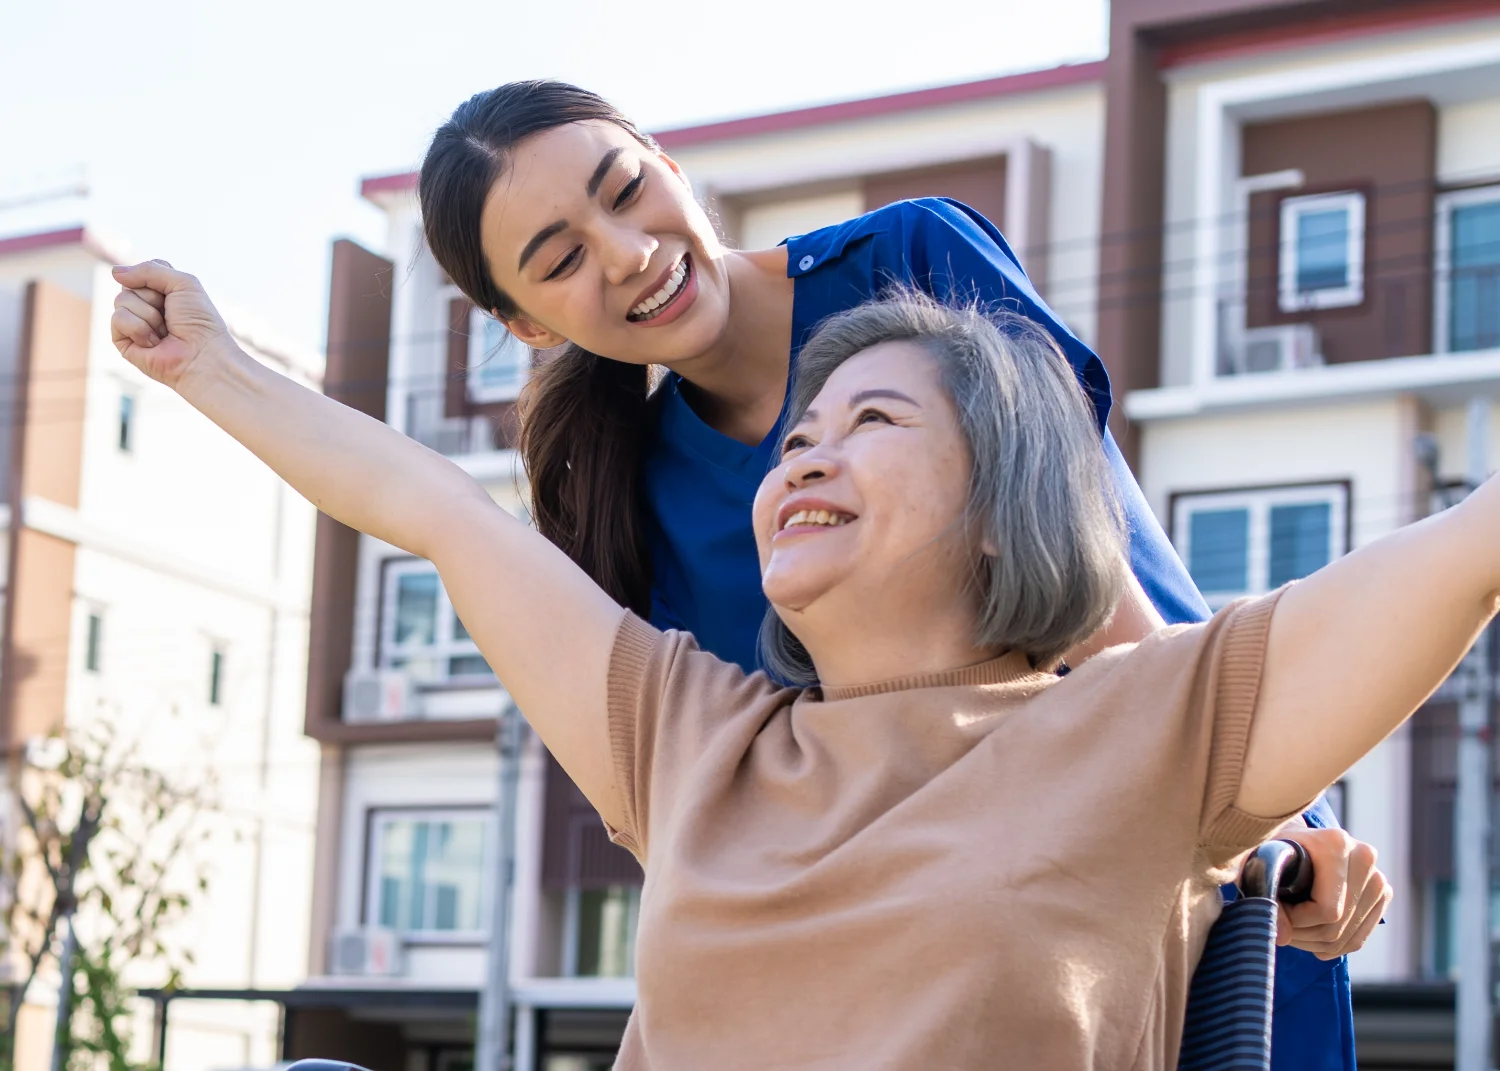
(158, 578)
(1299, 300)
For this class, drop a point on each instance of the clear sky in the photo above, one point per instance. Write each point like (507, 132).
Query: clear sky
(230, 138)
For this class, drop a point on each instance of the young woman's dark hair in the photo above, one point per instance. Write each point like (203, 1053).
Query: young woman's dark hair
(584, 418)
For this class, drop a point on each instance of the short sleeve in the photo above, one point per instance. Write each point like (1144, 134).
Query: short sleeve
(1238, 664)
(670, 706)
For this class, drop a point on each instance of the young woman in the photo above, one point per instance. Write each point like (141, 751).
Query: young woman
(852, 874)
(553, 211)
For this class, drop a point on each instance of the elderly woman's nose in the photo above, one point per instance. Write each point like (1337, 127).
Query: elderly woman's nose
(626, 252)
(812, 467)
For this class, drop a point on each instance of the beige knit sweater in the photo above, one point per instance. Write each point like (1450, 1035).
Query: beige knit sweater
(986, 868)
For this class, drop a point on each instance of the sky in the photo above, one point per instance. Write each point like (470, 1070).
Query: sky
(231, 138)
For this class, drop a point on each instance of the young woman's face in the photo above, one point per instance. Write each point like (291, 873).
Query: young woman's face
(868, 502)
(599, 242)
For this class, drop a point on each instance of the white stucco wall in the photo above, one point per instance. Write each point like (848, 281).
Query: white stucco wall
(1069, 121)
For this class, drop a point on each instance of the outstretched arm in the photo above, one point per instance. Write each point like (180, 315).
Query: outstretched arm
(543, 625)
(1355, 648)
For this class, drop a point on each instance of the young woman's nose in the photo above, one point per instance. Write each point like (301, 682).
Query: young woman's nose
(625, 253)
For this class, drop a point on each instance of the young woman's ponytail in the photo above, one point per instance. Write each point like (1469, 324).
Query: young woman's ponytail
(583, 417)
(584, 423)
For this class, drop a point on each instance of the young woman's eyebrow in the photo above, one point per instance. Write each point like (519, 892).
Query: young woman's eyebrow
(595, 181)
(539, 239)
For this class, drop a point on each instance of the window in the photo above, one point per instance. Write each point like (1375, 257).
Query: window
(125, 432)
(599, 934)
(216, 677)
(1322, 251)
(93, 643)
(1467, 298)
(1252, 541)
(498, 361)
(428, 872)
(419, 630)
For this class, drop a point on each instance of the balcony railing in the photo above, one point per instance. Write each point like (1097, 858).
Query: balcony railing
(428, 422)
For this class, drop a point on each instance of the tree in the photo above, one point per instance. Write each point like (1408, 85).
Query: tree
(99, 862)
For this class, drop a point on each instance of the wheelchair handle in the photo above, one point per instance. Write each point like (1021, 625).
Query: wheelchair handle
(1280, 870)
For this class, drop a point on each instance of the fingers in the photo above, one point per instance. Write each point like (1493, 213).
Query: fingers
(154, 275)
(1362, 895)
(144, 309)
(126, 327)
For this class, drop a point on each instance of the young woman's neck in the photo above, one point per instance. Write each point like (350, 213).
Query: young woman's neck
(737, 385)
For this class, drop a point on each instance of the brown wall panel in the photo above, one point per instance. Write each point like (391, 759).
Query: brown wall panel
(46, 435)
(1389, 154)
(41, 628)
(52, 451)
(980, 184)
(359, 343)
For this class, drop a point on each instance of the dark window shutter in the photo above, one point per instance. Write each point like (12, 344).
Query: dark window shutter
(455, 393)
(359, 346)
(1433, 788)
(576, 850)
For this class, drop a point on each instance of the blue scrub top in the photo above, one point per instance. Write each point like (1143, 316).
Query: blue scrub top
(699, 486)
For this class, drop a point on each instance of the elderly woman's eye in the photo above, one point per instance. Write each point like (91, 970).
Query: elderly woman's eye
(795, 442)
(867, 416)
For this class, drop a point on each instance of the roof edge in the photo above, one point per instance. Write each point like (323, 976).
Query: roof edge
(78, 235)
(377, 187)
(1067, 74)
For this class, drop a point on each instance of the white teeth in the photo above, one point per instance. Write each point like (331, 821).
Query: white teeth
(816, 517)
(662, 296)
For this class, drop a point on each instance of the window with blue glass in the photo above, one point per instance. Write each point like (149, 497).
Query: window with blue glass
(1322, 251)
(1467, 300)
(420, 632)
(428, 872)
(1247, 542)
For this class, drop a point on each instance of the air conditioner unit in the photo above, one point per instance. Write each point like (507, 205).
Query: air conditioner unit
(1276, 349)
(373, 695)
(368, 951)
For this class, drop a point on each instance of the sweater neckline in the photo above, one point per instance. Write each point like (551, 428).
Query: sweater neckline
(1011, 666)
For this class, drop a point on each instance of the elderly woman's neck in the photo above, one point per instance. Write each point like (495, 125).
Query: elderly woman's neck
(878, 651)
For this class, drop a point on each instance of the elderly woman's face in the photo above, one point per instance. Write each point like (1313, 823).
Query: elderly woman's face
(868, 501)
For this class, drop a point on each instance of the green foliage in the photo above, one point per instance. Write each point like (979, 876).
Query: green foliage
(110, 845)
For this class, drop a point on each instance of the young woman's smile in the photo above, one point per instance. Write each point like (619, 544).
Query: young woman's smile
(596, 237)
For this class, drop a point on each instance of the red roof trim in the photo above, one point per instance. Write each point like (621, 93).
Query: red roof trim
(776, 122)
(407, 180)
(1327, 30)
(25, 243)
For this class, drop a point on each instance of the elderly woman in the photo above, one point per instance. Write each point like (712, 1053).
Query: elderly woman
(940, 854)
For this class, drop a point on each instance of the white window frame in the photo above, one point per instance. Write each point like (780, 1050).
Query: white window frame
(444, 645)
(1259, 501)
(482, 352)
(1442, 297)
(379, 819)
(1289, 298)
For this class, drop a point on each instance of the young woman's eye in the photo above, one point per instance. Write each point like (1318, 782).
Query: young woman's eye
(631, 189)
(574, 255)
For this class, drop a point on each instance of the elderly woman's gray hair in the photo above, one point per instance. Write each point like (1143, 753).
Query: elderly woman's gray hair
(1040, 493)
